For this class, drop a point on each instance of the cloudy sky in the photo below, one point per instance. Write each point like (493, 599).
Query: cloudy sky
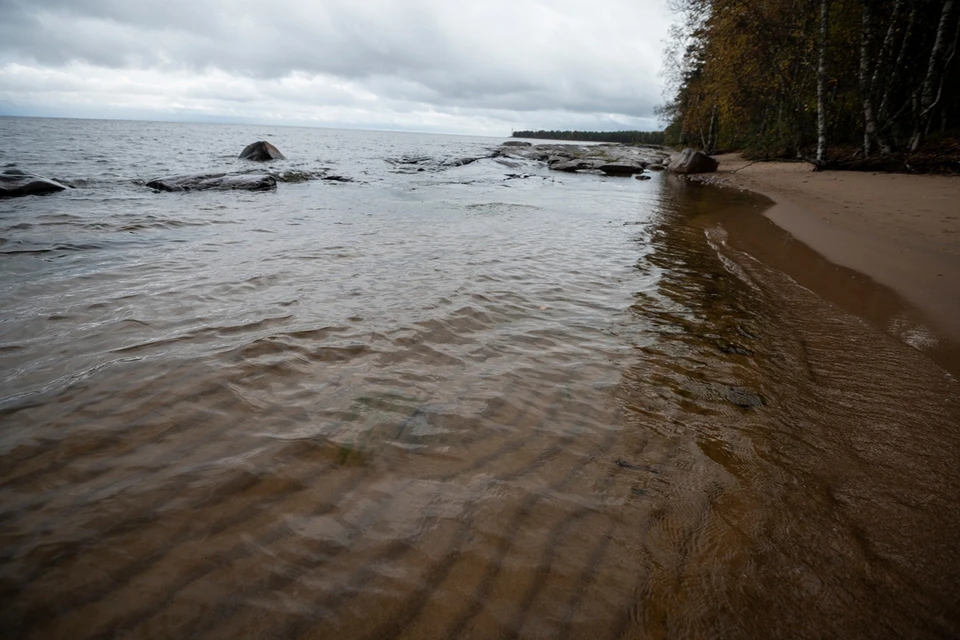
(485, 67)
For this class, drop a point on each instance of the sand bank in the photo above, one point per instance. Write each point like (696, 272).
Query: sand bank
(901, 231)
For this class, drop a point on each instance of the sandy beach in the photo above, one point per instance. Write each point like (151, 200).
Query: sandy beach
(900, 231)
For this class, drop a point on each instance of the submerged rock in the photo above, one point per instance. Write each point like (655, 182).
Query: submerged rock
(516, 143)
(215, 181)
(743, 397)
(16, 182)
(261, 152)
(690, 161)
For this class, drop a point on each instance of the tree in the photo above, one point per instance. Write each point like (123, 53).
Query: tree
(822, 86)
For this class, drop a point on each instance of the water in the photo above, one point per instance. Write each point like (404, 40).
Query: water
(473, 401)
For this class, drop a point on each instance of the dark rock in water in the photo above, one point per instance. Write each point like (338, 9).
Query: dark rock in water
(691, 161)
(516, 143)
(743, 397)
(261, 152)
(626, 169)
(335, 178)
(215, 181)
(642, 177)
(16, 182)
(632, 466)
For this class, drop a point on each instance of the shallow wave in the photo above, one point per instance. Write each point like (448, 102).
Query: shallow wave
(424, 408)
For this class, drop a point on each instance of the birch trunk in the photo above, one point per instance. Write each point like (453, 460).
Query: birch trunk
(931, 79)
(898, 65)
(869, 117)
(822, 88)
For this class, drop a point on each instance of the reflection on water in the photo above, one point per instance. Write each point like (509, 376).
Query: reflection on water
(438, 407)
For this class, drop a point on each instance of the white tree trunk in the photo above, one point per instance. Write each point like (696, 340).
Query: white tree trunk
(822, 87)
(931, 80)
(866, 90)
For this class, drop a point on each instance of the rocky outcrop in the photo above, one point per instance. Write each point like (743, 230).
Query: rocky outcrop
(215, 181)
(261, 152)
(599, 159)
(690, 161)
(15, 183)
(516, 143)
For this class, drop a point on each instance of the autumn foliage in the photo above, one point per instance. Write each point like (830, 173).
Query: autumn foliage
(743, 74)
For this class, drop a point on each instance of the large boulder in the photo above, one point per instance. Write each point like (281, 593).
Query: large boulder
(16, 182)
(215, 181)
(261, 152)
(690, 161)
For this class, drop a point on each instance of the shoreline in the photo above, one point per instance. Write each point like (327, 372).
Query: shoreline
(884, 247)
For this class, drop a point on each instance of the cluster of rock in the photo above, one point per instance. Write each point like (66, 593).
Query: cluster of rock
(608, 159)
(16, 182)
(260, 151)
(600, 159)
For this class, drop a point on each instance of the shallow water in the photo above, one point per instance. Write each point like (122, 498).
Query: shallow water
(455, 402)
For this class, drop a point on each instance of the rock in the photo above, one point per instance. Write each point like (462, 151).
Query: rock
(335, 178)
(642, 177)
(577, 164)
(632, 466)
(743, 397)
(516, 143)
(626, 169)
(16, 182)
(656, 167)
(691, 161)
(261, 152)
(510, 164)
(215, 181)
(295, 175)
(458, 162)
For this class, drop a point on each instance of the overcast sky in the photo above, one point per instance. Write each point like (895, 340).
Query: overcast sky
(485, 67)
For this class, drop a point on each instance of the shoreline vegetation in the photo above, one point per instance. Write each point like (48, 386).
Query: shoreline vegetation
(846, 84)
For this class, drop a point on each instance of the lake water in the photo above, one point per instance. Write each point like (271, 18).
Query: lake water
(469, 401)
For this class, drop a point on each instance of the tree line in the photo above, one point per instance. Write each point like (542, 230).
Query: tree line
(629, 137)
(822, 79)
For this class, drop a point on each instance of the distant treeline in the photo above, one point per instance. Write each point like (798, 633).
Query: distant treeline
(630, 137)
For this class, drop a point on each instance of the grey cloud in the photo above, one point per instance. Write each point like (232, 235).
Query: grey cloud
(506, 56)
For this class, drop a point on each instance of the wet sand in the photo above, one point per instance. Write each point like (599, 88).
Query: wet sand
(902, 231)
(724, 455)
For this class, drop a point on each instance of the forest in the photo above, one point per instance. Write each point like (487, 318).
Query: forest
(858, 83)
(629, 137)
